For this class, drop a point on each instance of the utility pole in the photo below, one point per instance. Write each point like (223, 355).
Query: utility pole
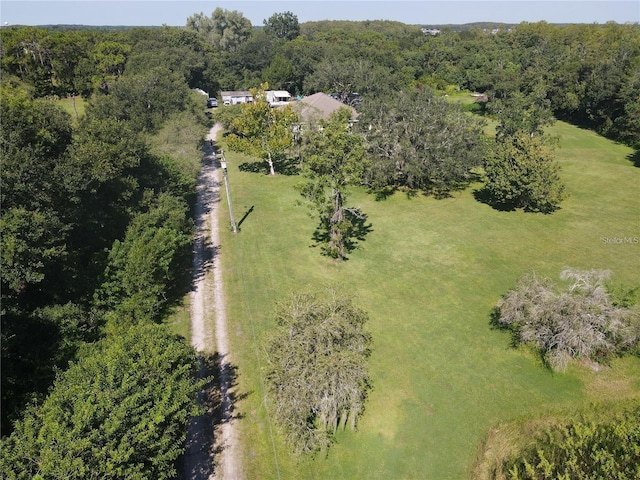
(223, 164)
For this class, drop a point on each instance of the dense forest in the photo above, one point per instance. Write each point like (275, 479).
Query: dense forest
(96, 219)
(585, 74)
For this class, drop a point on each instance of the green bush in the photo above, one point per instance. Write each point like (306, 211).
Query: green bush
(119, 412)
(584, 450)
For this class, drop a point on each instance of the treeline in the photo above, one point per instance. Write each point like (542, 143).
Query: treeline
(587, 74)
(97, 230)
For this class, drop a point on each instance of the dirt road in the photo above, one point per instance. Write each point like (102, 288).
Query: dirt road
(211, 442)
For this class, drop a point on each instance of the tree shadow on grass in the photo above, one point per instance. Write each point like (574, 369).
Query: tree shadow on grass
(254, 167)
(483, 195)
(494, 322)
(356, 234)
(289, 166)
(437, 190)
(382, 193)
(442, 190)
(515, 339)
(219, 398)
(634, 158)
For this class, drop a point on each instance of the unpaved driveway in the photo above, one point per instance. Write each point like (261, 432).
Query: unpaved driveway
(211, 442)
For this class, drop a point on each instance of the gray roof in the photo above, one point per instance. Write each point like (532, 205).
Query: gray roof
(319, 105)
(241, 93)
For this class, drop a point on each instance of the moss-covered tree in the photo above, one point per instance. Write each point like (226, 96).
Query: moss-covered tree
(317, 372)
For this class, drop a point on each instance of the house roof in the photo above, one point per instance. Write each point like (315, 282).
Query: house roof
(235, 94)
(319, 105)
(280, 93)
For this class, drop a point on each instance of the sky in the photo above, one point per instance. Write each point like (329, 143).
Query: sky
(416, 12)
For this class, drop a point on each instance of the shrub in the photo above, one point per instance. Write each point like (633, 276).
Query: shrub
(581, 322)
(585, 450)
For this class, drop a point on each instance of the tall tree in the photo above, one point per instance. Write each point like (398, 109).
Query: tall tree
(119, 412)
(522, 173)
(282, 25)
(101, 177)
(201, 24)
(279, 73)
(110, 58)
(518, 112)
(34, 139)
(346, 76)
(230, 28)
(66, 51)
(318, 372)
(144, 100)
(225, 29)
(36, 346)
(304, 55)
(420, 141)
(26, 52)
(521, 170)
(333, 158)
(142, 267)
(628, 125)
(262, 131)
(253, 56)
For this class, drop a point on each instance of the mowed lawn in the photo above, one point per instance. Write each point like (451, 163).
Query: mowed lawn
(428, 274)
(73, 106)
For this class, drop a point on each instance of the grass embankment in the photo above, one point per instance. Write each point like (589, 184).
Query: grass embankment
(428, 273)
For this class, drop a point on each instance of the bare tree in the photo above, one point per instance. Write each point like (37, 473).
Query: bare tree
(581, 322)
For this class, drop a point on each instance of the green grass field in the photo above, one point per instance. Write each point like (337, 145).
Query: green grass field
(428, 274)
(73, 106)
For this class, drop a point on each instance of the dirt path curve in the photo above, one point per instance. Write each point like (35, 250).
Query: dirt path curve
(211, 441)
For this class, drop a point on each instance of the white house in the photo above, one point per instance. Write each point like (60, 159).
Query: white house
(278, 97)
(234, 98)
